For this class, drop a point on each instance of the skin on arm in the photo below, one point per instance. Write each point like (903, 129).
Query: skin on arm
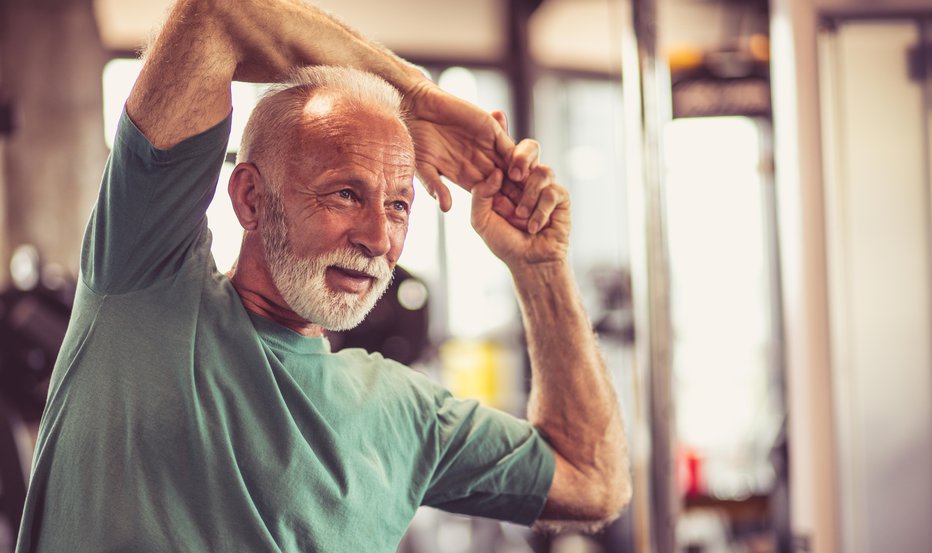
(184, 87)
(572, 399)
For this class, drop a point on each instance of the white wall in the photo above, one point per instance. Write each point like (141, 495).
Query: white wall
(581, 34)
(429, 28)
(879, 271)
(817, 498)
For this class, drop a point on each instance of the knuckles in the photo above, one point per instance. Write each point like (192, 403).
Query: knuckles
(545, 173)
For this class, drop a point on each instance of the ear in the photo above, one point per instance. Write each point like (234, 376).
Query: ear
(244, 188)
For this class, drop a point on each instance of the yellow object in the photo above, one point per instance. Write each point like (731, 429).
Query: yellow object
(684, 57)
(477, 369)
(759, 45)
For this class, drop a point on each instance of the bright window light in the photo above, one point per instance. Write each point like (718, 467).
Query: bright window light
(421, 252)
(224, 226)
(118, 78)
(460, 82)
(720, 296)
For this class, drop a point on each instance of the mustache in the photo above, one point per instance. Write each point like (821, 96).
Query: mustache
(354, 260)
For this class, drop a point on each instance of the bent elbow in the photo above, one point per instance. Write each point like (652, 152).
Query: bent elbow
(607, 499)
(586, 497)
(605, 503)
(614, 498)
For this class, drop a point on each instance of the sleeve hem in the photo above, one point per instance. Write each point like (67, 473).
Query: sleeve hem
(206, 141)
(537, 500)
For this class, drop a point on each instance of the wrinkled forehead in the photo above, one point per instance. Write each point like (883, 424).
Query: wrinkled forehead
(334, 132)
(331, 118)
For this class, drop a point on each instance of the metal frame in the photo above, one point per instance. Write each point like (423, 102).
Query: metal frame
(646, 112)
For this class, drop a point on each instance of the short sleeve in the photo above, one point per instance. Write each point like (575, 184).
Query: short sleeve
(151, 208)
(490, 464)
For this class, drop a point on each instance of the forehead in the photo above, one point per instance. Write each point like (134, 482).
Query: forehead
(334, 130)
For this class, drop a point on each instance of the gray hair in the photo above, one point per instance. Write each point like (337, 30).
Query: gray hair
(281, 108)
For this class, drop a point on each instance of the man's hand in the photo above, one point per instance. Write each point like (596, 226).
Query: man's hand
(520, 194)
(529, 201)
(523, 226)
(459, 141)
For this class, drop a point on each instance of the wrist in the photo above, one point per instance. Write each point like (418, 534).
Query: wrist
(415, 89)
(541, 275)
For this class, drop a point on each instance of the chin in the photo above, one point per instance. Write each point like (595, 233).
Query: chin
(336, 311)
(341, 325)
(336, 315)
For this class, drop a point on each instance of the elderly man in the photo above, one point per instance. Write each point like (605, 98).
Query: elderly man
(191, 411)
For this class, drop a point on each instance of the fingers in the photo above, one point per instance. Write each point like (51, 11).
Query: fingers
(540, 178)
(483, 199)
(461, 141)
(550, 198)
(538, 200)
(513, 192)
(503, 206)
(506, 209)
(504, 145)
(431, 180)
(500, 118)
(524, 158)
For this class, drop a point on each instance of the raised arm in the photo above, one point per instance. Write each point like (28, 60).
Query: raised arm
(184, 87)
(572, 399)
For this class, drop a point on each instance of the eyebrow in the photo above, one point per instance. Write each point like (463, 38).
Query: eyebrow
(406, 192)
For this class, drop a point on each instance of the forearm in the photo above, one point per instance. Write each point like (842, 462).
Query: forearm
(272, 38)
(572, 398)
(184, 87)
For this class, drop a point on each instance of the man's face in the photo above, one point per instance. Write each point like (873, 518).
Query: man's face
(334, 231)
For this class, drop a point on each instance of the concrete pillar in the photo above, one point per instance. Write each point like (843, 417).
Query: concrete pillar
(50, 166)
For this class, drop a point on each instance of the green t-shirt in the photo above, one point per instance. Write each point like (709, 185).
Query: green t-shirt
(178, 421)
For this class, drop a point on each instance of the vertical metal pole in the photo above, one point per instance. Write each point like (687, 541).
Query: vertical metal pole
(647, 98)
(520, 65)
(779, 497)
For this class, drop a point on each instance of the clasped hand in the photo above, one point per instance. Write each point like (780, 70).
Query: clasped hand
(518, 209)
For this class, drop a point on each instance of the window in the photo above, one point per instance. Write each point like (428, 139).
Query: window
(721, 301)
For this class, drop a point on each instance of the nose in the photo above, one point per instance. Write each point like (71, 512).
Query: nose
(371, 233)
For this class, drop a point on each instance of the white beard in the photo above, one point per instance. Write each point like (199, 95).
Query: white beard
(302, 280)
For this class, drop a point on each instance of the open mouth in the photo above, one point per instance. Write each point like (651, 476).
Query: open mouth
(350, 281)
(352, 273)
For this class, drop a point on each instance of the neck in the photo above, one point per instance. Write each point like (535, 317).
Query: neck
(253, 282)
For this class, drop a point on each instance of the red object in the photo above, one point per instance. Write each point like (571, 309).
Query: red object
(691, 473)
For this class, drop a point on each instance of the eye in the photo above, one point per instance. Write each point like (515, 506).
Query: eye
(399, 205)
(347, 194)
